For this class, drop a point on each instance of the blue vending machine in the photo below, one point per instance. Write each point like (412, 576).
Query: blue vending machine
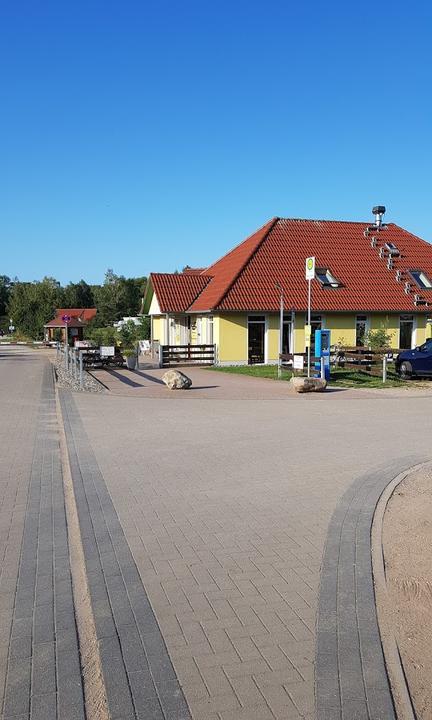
(322, 350)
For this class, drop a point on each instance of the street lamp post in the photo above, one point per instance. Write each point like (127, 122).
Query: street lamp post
(280, 288)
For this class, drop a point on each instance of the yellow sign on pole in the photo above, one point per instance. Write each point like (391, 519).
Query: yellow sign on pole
(308, 333)
(310, 268)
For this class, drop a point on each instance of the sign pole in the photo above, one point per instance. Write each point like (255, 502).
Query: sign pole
(66, 347)
(310, 274)
(309, 324)
(281, 314)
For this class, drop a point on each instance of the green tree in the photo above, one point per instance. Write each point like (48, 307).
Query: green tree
(128, 334)
(101, 335)
(78, 295)
(5, 290)
(32, 304)
(118, 297)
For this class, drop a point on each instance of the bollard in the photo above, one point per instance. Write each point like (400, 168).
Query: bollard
(322, 368)
(385, 368)
(81, 369)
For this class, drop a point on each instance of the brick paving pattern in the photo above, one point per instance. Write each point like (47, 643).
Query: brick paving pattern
(225, 507)
(42, 669)
(203, 525)
(351, 679)
(139, 678)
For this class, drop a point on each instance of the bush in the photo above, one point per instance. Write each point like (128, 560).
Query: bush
(379, 339)
(102, 336)
(128, 334)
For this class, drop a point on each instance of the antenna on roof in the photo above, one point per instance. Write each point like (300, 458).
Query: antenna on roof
(378, 211)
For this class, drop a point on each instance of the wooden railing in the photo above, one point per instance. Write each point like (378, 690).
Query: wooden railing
(171, 355)
(370, 361)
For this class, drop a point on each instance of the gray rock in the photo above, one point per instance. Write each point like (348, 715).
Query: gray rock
(176, 380)
(304, 384)
(66, 380)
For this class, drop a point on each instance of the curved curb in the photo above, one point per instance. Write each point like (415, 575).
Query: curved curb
(401, 694)
(351, 678)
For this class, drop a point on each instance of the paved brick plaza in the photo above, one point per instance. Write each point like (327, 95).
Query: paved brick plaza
(223, 507)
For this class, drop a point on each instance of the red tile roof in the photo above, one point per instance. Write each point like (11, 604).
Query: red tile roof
(83, 313)
(79, 316)
(192, 271)
(225, 271)
(175, 292)
(245, 278)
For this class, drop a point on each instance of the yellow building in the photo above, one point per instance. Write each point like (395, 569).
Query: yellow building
(367, 277)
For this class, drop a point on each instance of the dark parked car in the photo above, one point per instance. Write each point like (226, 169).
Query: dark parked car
(415, 362)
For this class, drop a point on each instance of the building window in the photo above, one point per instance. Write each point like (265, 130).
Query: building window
(326, 278)
(256, 338)
(361, 330)
(406, 332)
(392, 250)
(287, 335)
(210, 330)
(421, 279)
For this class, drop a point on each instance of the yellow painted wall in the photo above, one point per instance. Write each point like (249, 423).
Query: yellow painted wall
(273, 338)
(158, 328)
(230, 333)
(342, 328)
(299, 333)
(421, 329)
(390, 323)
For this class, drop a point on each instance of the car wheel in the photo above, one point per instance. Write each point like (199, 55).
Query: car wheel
(405, 370)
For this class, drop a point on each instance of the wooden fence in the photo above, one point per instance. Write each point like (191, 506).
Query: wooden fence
(370, 361)
(367, 360)
(171, 355)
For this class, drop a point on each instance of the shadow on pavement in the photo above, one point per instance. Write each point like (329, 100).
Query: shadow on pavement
(147, 377)
(124, 379)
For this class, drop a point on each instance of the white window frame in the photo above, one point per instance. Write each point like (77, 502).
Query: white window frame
(368, 323)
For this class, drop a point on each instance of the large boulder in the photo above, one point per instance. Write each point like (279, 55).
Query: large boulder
(176, 380)
(304, 384)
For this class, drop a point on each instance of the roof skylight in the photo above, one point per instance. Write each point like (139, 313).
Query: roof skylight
(392, 249)
(326, 278)
(421, 279)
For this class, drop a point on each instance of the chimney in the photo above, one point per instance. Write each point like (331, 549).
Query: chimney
(378, 211)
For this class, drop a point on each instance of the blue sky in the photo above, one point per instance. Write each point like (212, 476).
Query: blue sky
(150, 135)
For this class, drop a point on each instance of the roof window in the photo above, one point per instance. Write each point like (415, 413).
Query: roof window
(326, 278)
(421, 279)
(392, 249)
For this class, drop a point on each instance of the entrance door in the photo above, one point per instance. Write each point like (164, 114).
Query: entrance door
(361, 330)
(256, 336)
(406, 332)
(286, 337)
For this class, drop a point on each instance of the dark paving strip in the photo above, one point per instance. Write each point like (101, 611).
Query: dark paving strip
(44, 674)
(139, 677)
(350, 676)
